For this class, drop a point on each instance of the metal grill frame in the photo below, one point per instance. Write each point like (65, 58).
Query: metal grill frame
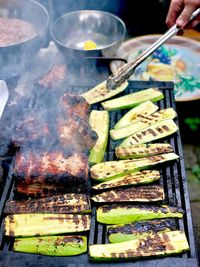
(173, 179)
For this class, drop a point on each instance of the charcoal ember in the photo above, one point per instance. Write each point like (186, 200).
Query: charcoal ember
(52, 168)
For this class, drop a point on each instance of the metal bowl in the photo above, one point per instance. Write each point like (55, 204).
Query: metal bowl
(30, 11)
(72, 30)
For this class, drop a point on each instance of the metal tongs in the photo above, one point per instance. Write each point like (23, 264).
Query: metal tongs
(123, 73)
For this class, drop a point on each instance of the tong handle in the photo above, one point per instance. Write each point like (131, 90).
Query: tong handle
(126, 70)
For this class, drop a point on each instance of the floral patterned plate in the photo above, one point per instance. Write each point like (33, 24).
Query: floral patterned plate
(178, 61)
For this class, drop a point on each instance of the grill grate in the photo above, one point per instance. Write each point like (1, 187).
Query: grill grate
(173, 179)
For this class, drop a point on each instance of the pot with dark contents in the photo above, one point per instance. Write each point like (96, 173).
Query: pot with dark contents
(23, 26)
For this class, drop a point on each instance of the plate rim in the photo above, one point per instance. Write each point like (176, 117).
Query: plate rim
(137, 39)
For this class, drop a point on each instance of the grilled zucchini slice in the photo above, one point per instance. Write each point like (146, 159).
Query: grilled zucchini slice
(66, 203)
(161, 115)
(142, 150)
(154, 132)
(141, 177)
(109, 170)
(136, 114)
(134, 99)
(45, 224)
(126, 232)
(150, 193)
(160, 244)
(99, 121)
(128, 213)
(52, 245)
(101, 92)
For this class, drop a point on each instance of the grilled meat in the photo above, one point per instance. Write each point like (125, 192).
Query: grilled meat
(31, 129)
(75, 105)
(54, 77)
(54, 167)
(77, 133)
(37, 190)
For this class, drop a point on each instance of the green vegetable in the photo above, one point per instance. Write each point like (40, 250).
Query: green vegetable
(66, 203)
(38, 224)
(143, 124)
(101, 92)
(113, 169)
(134, 99)
(52, 245)
(136, 114)
(154, 132)
(161, 244)
(127, 213)
(99, 121)
(142, 150)
(136, 178)
(126, 232)
(149, 193)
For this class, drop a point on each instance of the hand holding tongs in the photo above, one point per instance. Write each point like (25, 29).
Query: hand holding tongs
(127, 70)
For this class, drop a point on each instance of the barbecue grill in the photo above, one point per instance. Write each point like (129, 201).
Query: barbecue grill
(173, 179)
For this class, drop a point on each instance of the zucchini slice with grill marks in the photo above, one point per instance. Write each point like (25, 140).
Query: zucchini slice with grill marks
(159, 244)
(142, 150)
(128, 213)
(126, 232)
(101, 92)
(66, 203)
(136, 178)
(38, 224)
(154, 132)
(52, 245)
(161, 115)
(134, 99)
(109, 170)
(136, 114)
(149, 193)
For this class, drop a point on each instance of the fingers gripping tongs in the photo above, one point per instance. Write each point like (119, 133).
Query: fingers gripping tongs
(123, 73)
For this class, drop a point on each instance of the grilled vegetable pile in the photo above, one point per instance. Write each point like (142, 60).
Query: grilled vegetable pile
(38, 223)
(130, 201)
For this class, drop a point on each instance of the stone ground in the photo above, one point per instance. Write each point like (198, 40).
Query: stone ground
(192, 165)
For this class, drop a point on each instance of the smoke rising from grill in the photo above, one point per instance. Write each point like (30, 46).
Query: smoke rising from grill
(45, 121)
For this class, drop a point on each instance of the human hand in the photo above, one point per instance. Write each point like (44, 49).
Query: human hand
(180, 12)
